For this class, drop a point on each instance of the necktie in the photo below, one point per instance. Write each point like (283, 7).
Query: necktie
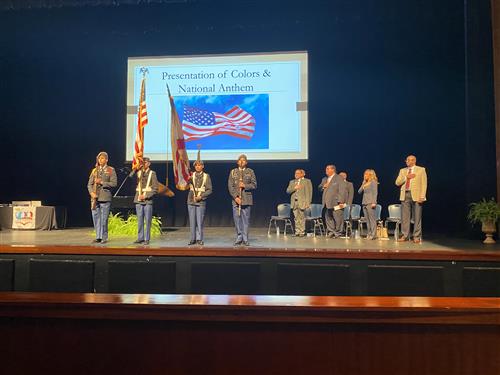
(407, 186)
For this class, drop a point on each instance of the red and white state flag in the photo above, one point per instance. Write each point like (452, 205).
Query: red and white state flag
(180, 158)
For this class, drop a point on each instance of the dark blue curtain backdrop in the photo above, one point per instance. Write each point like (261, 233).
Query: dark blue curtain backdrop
(386, 78)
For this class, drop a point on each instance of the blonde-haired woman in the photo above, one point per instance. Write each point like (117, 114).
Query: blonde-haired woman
(369, 189)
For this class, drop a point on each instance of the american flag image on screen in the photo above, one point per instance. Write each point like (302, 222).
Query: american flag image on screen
(198, 123)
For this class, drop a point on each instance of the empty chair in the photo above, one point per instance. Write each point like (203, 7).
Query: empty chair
(394, 217)
(284, 216)
(355, 215)
(314, 214)
(347, 224)
(378, 213)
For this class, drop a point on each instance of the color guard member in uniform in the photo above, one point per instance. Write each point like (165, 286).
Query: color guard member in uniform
(101, 180)
(147, 187)
(241, 183)
(200, 187)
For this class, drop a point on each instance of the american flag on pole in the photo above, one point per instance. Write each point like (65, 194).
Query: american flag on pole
(142, 121)
(179, 154)
(198, 123)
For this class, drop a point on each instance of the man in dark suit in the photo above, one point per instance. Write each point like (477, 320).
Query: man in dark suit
(333, 199)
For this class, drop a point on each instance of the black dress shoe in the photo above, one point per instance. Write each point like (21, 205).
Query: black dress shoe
(191, 242)
(97, 240)
(138, 241)
(146, 242)
(200, 243)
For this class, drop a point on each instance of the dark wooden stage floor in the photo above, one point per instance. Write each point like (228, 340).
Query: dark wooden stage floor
(61, 333)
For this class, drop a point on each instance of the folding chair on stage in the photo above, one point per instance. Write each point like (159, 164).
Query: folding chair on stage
(314, 214)
(284, 210)
(394, 217)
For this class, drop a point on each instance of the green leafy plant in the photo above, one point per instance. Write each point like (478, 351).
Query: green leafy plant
(120, 227)
(484, 211)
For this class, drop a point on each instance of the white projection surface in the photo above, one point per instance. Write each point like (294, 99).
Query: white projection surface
(227, 104)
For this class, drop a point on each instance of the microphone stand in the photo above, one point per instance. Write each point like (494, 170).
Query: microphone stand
(130, 175)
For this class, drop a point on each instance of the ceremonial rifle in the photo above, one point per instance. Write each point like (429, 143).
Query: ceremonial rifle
(93, 200)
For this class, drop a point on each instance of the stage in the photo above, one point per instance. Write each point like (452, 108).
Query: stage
(68, 261)
(174, 241)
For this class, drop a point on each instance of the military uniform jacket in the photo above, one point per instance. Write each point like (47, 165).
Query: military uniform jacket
(302, 197)
(247, 176)
(335, 193)
(202, 185)
(108, 176)
(148, 182)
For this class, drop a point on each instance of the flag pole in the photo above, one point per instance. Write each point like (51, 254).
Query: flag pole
(139, 136)
(166, 181)
(143, 97)
(167, 191)
(169, 130)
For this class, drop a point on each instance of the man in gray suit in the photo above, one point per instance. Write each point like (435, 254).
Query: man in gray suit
(349, 187)
(333, 199)
(241, 182)
(147, 187)
(101, 180)
(300, 190)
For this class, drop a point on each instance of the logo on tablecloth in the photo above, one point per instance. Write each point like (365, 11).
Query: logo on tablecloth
(23, 217)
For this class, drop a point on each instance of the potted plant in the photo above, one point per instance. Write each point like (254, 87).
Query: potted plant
(487, 213)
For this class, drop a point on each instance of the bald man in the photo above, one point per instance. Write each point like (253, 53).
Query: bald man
(300, 190)
(412, 181)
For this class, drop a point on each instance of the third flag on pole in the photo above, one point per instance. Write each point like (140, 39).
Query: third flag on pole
(180, 158)
(142, 121)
